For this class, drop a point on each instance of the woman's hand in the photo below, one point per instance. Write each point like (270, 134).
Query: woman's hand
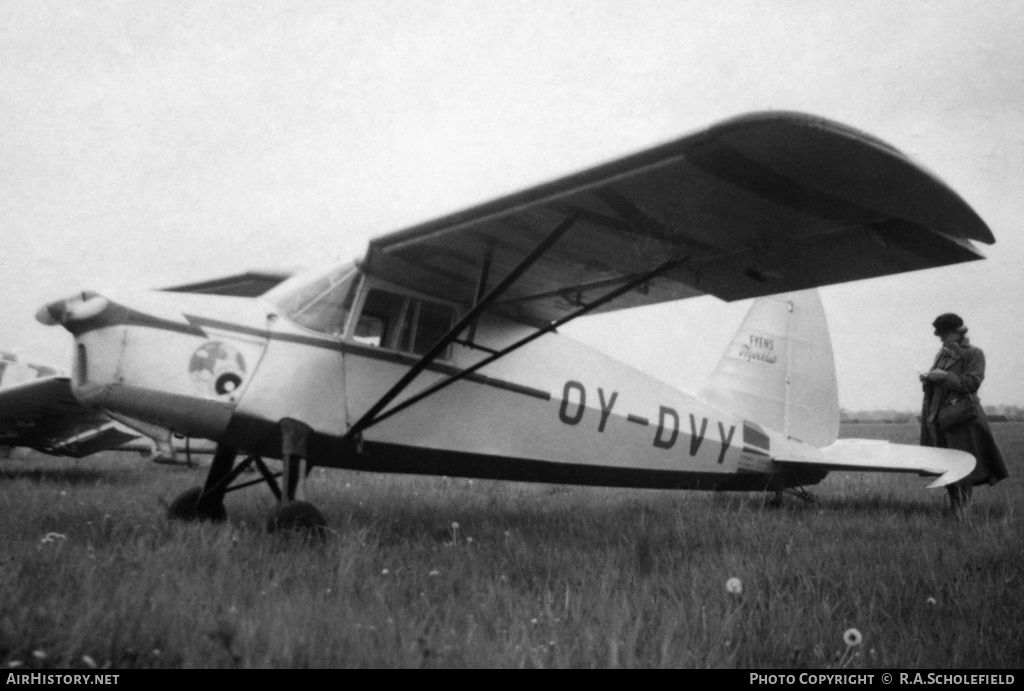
(952, 347)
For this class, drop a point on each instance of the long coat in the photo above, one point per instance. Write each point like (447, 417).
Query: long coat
(964, 375)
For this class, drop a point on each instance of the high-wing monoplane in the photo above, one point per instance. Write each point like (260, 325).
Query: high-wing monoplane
(439, 353)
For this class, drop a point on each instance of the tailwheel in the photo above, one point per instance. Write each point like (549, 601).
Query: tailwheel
(191, 505)
(299, 517)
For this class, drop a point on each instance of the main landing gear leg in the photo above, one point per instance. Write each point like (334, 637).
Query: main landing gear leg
(294, 513)
(206, 503)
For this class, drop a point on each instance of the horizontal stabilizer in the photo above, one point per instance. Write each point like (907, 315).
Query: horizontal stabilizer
(881, 456)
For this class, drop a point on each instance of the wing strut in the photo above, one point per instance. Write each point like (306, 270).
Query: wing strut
(635, 282)
(469, 318)
(481, 286)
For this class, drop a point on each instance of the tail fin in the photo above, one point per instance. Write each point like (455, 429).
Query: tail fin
(779, 371)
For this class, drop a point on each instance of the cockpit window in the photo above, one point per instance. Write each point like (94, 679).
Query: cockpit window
(403, 323)
(322, 303)
(380, 324)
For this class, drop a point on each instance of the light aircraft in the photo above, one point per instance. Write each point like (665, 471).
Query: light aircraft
(38, 411)
(438, 352)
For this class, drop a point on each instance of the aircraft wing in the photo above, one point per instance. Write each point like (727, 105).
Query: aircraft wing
(760, 204)
(247, 284)
(881, 456)
(44, 415)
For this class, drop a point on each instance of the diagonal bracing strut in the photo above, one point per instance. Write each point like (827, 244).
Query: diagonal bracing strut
(607, 297)
(470, 317)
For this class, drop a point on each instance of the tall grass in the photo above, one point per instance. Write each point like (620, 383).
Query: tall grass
(430, 572)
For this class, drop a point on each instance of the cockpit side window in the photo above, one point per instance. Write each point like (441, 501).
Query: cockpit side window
(380, 323)
(406, 324)
(433, 321)
(322, 304)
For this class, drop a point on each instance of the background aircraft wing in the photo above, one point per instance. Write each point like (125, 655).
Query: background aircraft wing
(44, 415)
(248, 284)
(881, 456)
(760, 204)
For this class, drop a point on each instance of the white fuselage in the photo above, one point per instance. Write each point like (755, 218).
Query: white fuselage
(229, 369)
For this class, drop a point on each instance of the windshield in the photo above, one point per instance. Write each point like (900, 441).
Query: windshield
(320, 301)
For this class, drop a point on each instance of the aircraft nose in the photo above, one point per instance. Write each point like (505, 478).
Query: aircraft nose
(72, 310)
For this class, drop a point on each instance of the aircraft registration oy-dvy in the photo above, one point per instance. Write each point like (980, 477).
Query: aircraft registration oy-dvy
(438, 351)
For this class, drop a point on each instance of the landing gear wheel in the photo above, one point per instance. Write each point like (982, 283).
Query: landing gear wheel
(187, 507)
(299, 517)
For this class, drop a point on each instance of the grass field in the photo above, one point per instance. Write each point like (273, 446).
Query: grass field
(443, 572)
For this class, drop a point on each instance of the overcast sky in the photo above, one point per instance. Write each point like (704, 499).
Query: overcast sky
(151, 144)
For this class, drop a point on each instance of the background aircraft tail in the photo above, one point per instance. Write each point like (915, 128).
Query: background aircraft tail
(779, 372)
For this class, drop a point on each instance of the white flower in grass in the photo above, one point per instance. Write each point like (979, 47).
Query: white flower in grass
(14, 664)
(88, 662)
(931, 601)
(39, 654)
(435, 572)
(734, 586)
(852, 637)
(384, 572)
(53, 537)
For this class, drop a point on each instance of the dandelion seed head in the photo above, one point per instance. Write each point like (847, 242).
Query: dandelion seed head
(455, 525)
(852, 637)
(734, 586)
(384, 572)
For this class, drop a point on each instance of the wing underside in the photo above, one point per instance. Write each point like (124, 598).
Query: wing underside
(757, 205)
(876, 455)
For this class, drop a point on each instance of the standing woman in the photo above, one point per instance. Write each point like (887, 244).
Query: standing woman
(957, 373)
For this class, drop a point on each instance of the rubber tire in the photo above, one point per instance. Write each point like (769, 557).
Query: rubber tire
(185, 507)
(297, 517)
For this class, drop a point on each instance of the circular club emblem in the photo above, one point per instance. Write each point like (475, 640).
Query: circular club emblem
(217, 369)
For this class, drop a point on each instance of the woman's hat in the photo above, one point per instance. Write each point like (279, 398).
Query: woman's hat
(944, 323)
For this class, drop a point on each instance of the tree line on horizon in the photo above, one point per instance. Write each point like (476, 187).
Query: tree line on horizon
(995, 413)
